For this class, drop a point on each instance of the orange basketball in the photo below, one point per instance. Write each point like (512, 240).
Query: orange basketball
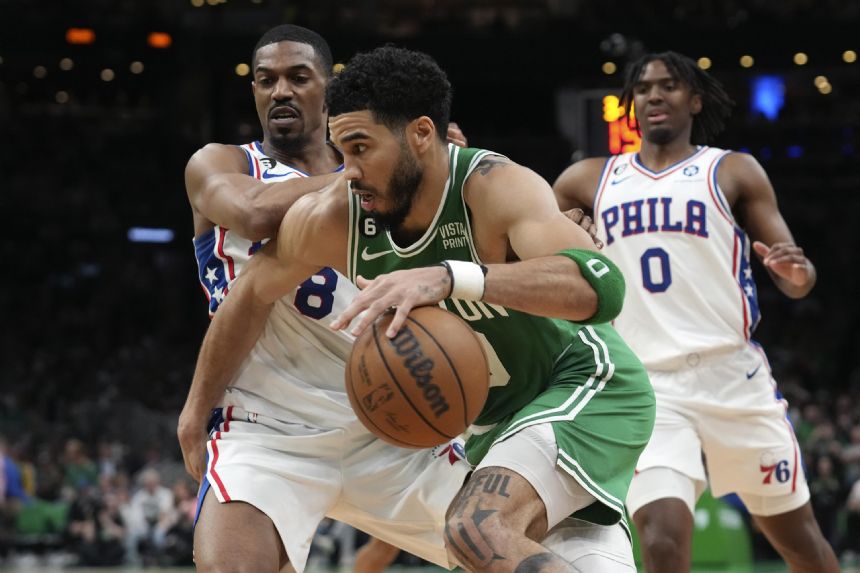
(422, 387)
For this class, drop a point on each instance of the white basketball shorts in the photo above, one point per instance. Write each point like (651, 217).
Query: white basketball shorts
(727, 407)
(297, 474)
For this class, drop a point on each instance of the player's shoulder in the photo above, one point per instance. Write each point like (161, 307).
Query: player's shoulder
(734, 159)
(583, 171)
(218, 157)
(485, 165)
(320, 206)
(740, 176)
(576, 185)
(494, 175)
(739, 165)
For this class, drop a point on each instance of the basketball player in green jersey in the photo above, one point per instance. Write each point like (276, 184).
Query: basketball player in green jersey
(570, 407)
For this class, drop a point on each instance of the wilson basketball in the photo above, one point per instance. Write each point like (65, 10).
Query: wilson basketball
(422, 387)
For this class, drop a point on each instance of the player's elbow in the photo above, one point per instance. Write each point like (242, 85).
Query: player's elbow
(561, 196)
(605, 302)
(258, 227)
(260, 221)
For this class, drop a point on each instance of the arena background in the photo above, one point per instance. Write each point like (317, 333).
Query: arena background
(102, 102)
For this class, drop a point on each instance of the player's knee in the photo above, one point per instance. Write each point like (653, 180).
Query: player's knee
(663, 549)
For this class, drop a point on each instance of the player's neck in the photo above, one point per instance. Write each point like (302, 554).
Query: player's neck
(316, 158)
(657, 157)
(429, 194)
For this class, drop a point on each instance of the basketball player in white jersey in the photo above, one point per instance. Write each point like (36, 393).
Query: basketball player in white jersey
(671, 218)
(283, 430)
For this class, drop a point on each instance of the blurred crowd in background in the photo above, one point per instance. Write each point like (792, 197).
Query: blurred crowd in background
(101, 337)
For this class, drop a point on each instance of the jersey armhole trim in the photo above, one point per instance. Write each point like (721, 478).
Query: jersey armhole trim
(601, 183)
(714, 188)
(251, 161)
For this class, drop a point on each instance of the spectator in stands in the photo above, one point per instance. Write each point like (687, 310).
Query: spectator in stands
(151, 514)
(96, 529)
(109, 459)
(179, 541)
(826, 494)
(851, 456)
(12, 495)
(823, 442)
(78, 469)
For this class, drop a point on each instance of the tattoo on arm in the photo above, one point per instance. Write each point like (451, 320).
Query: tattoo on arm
(464, 535)
(489, 163)
(463, 531)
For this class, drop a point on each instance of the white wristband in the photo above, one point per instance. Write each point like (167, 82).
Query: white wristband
(467, 280)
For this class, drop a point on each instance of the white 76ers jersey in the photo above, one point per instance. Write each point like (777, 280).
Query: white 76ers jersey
(685, 260)
(295, 371)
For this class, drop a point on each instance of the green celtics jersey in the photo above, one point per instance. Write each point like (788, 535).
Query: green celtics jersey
(583, 380)
(521, 348)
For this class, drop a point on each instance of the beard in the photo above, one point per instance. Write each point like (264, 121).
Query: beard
(289, 143)
(660, 135)
(405, 178)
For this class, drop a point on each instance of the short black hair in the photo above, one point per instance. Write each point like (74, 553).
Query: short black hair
(293, 33)
(716, 103)
(396, 85)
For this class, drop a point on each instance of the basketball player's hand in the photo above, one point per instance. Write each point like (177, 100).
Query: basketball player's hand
(579, 217)
(403, 290)
(456, 135)
(192, 439)
(786, 260)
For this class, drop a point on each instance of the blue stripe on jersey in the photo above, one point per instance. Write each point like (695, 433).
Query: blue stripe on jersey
(717, 191)
(201, 494)
(215, 421)
(210, 269)
(745, 280)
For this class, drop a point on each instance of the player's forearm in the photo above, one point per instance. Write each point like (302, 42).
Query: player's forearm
(550, 286)
(232, 334)
(271, 201)
(253, 209)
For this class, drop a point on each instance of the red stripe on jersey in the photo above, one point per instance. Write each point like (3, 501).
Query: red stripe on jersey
(794, 475)
(257, 171)
(231, 272)
(214, 474)
(227, 418)
(255, 167)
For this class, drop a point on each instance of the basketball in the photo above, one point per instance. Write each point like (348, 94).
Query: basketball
(422, 387)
